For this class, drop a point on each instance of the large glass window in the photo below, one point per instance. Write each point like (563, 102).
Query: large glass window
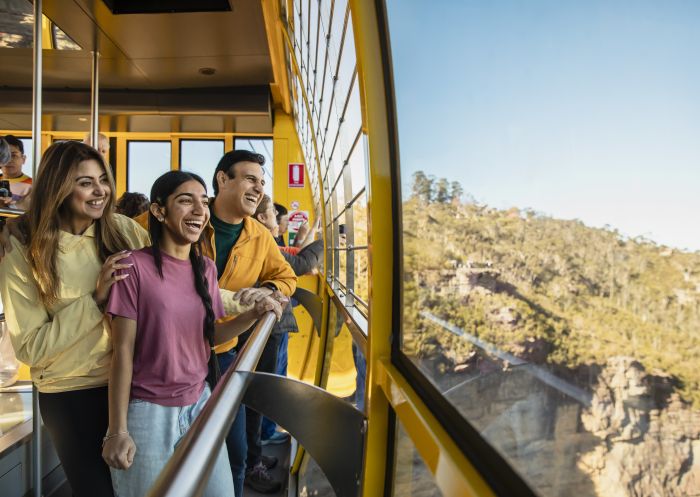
(262, 146)
(201, 157)
(551, 270)
(329, 124)
(147, 160)
(28, 144)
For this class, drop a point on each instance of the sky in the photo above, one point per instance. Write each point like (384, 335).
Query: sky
(578, 110)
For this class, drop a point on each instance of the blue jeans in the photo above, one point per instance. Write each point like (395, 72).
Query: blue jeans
(156, 431)
(269, 426)
(236, 441)
(361, 368)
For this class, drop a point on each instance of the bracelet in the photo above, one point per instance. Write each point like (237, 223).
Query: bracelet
(113, 435)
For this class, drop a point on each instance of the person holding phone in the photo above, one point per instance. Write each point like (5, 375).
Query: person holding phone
(20, 185)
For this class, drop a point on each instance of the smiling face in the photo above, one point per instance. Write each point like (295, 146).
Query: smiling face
(239, 195)
(185, 214)
(89, 196)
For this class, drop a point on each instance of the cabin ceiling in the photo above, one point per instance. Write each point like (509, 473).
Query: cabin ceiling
(146, 53)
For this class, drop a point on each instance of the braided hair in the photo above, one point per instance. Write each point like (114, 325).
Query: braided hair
(162, 188)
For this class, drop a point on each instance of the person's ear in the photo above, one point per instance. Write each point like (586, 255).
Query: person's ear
(221, 178)
(157, 211)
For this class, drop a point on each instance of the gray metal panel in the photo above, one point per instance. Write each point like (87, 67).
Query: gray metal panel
(229, 100)
(330, 429)
(312, 304)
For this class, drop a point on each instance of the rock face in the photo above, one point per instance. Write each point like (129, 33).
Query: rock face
(649, 437)
(636, 438)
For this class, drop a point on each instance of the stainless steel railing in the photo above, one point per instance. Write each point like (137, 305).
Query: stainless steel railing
(5, 212)
(188, 470)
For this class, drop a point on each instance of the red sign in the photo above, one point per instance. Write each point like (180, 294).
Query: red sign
(296, 175)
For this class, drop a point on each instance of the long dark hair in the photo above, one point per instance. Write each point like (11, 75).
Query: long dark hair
(162, 188)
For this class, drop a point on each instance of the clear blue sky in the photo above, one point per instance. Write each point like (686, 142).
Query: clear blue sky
(587, 109)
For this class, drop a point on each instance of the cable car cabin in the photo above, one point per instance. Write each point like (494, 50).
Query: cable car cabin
(508, 298)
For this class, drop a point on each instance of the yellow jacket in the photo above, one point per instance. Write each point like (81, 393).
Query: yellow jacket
(255, 258)
(68, 345)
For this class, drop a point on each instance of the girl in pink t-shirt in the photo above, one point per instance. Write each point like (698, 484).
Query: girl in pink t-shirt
(163, 329)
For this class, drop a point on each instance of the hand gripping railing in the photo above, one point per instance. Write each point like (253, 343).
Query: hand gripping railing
(189, 468)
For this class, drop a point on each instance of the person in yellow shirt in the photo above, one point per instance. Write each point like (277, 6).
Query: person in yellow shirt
(53, 288)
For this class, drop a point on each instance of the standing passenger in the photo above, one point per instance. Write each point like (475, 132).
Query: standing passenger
(102, 144)
(246, 255)
(163, 329)
(53, 289)
(20, 183)
(132, 204)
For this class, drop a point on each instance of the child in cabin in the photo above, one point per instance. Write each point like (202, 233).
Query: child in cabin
(20, 183)
(163, 328)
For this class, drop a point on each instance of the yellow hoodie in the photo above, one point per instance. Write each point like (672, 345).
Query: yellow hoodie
(68, 345)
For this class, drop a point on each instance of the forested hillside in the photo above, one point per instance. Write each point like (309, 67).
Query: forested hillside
(547, 290)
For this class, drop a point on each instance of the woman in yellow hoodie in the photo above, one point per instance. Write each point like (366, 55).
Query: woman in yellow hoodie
(53, 289)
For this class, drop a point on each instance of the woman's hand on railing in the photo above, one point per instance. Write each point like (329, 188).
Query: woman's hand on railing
(118, 450)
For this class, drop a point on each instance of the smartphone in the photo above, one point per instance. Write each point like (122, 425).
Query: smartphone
(5, 188)
(341, 229)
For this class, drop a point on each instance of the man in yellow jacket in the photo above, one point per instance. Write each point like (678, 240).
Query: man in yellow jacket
(245, 253)
(249, 262)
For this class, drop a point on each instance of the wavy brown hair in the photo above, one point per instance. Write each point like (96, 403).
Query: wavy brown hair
(50, 192)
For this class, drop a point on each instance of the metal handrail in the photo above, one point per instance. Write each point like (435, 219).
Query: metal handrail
(6, 212)
(189, 468)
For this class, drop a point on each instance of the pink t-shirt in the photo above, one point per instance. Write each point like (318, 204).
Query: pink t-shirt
(170, 353)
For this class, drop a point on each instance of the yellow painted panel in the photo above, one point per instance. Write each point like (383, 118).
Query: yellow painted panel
(341, 379)
(453, 473)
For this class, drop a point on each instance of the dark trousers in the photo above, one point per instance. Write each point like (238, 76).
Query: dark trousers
(76, 422)
(267, 364)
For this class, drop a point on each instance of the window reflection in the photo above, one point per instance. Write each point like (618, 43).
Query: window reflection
(17, 27)
(551, 279)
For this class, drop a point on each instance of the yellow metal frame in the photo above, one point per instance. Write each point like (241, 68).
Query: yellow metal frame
(454, 474)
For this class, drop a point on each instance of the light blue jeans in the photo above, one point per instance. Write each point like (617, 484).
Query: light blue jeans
(156, 431)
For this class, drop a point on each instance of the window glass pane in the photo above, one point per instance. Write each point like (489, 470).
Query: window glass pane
(412, 478)
(146, 162)
(201, 157)
(551, 278)
(262, 146)
(17, 27)
(29, 153)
